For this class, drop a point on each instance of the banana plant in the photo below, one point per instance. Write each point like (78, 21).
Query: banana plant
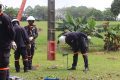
(112, 38)
(79, 25)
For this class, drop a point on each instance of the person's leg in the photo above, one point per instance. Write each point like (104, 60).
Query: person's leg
(3, 75)
(85, 57)
(25, 58)
(32, 50)
(32, 53)
(4, 64)
(17, 56)
(84, 50)
(75, 60)
(29, 59)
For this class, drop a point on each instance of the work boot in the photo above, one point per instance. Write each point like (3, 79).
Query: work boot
(85, 70)
(25, 63)
(29, 65)
(25, 70)
(17, 66)
(17, 70)
(72, 68)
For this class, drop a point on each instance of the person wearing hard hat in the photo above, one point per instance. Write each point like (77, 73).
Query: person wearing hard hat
(21, 40)
(78, 41)
(33, 34)
(6, 37)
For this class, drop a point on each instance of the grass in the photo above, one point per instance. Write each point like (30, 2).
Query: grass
(103, 65)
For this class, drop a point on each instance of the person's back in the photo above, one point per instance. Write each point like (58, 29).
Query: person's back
(6, 37)
(18, 37)
(78, 42)
(6, 32)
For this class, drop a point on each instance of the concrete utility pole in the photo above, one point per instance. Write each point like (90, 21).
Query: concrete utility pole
(51, 30)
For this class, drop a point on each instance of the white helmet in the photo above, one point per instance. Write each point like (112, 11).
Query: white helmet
(15, 20)
(62, 39)
(31, 18)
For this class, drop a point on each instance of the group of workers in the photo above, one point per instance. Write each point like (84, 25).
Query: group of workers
(24, 43)
(22, 40)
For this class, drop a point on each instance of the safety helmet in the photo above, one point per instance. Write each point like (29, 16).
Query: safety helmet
(31, 18)
(62, 39)
(15, 21)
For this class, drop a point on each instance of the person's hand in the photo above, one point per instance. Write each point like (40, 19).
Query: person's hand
(28, 46)
(30, 38)
(14, 46)
(89, 38)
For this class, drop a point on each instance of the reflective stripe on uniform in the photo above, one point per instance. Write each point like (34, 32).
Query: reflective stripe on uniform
(16, 60)
(4, 68)
(29, 56)
(25, 59)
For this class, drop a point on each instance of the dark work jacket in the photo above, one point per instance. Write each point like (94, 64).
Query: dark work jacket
(32, 32)
(7, 33)
(76, 40)
(21, 37)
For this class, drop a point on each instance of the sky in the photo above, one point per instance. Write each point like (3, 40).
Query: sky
(98, 4)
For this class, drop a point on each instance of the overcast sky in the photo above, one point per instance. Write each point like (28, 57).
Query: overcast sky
(98, 4)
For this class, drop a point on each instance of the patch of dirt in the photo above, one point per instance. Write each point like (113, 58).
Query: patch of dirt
(99, 53)
(112, 58)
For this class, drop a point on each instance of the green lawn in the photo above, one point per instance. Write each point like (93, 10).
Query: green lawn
(103, 65)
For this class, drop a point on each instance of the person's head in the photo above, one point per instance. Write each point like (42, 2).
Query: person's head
(30, 20)
(15, 22)
(62, 39)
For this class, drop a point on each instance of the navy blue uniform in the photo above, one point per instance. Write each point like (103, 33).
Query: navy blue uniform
(6, 36)
(21, 39)
(79, 42)
(32, 32)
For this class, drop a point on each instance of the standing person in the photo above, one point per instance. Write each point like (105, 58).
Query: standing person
(77, 41)
(21, 40)
(6, 36)
(33, 34)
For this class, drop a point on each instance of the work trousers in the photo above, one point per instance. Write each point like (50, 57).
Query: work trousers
(23, 52)
(30, 55)
(4, 64)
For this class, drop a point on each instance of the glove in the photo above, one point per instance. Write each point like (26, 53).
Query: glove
(28, 46)
(30, 38)
(89, 37)
(14, 46)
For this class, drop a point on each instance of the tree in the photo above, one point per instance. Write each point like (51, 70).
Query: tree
(12, 12)
(115, 7)
(28, 11)
(108, 15)
(40, 12)
(97, 14)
